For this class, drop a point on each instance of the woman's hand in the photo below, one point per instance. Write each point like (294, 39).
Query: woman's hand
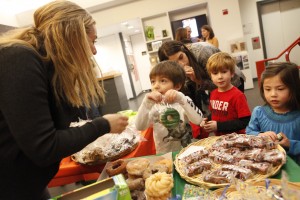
(190, 73)
(117, 122)
(271, 134)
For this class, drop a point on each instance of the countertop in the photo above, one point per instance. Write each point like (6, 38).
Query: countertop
(109, 75)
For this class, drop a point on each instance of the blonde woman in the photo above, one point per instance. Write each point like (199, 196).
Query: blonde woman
(46, 81)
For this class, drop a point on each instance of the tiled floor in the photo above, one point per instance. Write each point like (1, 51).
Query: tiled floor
(253, 98)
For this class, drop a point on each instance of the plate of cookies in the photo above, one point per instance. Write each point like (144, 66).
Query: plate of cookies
(214, 161)
(147, 177)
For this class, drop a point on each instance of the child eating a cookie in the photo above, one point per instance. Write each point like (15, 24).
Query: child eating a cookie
(167, 109)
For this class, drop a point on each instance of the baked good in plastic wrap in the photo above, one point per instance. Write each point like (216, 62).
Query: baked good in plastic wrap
(267, 189)
(108, 147)
(192, 192)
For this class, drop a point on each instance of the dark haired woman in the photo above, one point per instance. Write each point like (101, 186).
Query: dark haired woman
(209, 36)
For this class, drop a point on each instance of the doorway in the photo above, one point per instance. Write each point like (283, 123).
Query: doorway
(142, 60)
(279, 26)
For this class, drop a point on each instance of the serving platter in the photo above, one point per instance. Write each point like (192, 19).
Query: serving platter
(198, 179)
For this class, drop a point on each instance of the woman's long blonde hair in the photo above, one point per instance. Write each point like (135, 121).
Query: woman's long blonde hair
(59, 35)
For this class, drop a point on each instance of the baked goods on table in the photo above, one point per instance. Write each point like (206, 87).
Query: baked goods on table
(107, 147)
(116, 167)
(268, 189)
(139, 170)
(154, 169)
(166, 162)
(159, 186)
(137, 166)
(215, 161)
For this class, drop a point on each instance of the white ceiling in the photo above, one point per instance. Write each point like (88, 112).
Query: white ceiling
(13, 7)
(19, 8)
(132, 26)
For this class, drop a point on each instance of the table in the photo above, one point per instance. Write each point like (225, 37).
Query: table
(291, 168)
(71, 172)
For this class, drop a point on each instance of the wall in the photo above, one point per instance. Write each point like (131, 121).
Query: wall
(8, 20)
(249, 17)
(225, 27)
(141, 8)
(110, 58)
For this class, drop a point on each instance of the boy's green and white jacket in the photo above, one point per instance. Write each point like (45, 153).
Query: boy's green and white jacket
(175, 137)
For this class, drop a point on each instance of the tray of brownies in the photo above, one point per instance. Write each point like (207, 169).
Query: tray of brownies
(214, 161)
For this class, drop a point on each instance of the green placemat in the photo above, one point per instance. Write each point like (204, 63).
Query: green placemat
(292, 169)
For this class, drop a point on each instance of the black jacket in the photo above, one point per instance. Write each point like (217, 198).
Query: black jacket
(34, 129)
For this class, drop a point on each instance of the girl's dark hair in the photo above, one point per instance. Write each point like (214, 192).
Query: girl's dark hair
(172, 47)
(210, 30)
(289, 75)
(171, 70)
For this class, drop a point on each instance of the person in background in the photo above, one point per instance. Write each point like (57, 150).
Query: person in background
(209, 36)
(228, 105)
(167, 78)
(181, 36)
(47, 80)
(189, 36)
(194, 60)
(279, 118)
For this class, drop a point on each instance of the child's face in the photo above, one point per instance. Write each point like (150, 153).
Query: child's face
(161, 84)
(222, 79)
(181, 58)
(276, 94)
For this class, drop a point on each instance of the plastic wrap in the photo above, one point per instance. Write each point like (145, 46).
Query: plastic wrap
(109, 146)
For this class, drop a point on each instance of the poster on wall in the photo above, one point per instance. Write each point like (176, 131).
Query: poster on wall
(237, 45)
(242, 61)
